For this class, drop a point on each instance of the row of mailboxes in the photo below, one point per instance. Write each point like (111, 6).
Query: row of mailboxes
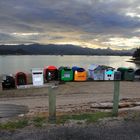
(127, 74)
(38, 75)
(10, 82)
(101, 72)
(50, 73)
(97, 72)
(74, 74)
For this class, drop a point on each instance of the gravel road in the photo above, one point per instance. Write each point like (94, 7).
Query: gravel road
(71, 94)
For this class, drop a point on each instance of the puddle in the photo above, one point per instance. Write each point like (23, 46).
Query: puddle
(11, 110)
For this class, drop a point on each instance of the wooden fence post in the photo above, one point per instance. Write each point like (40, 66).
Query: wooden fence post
(116, 98)
(52, 103)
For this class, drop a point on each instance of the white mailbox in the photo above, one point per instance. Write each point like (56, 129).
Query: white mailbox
(109, 74)
(37, 77)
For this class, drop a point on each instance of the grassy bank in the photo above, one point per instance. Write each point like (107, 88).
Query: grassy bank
(88, 118)
(38, 121)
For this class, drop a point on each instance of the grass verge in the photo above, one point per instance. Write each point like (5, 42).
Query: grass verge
(12, 125)
(40, 121)
(89, 118)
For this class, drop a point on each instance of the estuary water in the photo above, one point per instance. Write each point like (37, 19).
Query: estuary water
(14, 63)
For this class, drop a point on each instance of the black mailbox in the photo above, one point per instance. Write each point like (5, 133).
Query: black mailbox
(8, 82)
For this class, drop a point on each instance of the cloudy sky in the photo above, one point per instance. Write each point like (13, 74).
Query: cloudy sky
(89, 23)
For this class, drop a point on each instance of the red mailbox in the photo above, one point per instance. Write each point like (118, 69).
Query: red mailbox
(51, 73)
(21, 78)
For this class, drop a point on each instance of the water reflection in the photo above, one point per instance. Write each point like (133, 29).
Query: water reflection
(12, 64)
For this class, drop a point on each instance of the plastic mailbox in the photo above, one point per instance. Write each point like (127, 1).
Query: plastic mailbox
(129, 74)
(51, 73)
(21, 78)
(137, 74)
(122, 70)
(92, 72)
(8, 82)
(80, 74)
(109, 74)
(65, 74)
(37, 77)
(126, 73)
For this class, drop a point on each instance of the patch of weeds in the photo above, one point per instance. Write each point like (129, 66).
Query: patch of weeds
(133, 116)
(98, 115)
(12, 125)
(39, 121)
(92, 117)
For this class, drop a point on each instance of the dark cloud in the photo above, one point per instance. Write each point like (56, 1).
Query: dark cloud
(95, 18)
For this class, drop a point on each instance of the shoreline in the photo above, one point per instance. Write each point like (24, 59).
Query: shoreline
(134, 61)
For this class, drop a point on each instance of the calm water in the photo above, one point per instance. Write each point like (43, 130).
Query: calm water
(13, 64)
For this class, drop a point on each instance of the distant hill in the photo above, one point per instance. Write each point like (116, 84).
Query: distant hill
(51, 49)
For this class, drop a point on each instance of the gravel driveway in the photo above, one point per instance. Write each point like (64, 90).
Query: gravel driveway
(69, 95)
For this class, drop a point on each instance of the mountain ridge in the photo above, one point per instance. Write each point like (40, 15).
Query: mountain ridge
(53, 49)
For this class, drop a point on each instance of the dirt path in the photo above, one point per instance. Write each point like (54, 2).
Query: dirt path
(73, 94)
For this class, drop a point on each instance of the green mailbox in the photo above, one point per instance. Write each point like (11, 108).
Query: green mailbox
(129, 74)
(65, 74)
(126, 73)
(122, 70)
(137, 75)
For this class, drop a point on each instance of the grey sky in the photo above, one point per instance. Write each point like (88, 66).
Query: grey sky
(90, 23)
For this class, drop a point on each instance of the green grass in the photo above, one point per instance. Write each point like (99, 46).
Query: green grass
(39, 121)
(12, 125)
(89, 118)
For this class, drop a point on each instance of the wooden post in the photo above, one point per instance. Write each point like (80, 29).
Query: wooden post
(116, 98)
(52, 103)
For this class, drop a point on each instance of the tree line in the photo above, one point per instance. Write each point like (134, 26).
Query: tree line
(136, 54)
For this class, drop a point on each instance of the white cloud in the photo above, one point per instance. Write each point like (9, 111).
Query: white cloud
(128, 42)
(25, 34)
(133, 15)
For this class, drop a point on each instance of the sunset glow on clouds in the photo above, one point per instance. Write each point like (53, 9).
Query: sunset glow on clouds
(90, 23)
